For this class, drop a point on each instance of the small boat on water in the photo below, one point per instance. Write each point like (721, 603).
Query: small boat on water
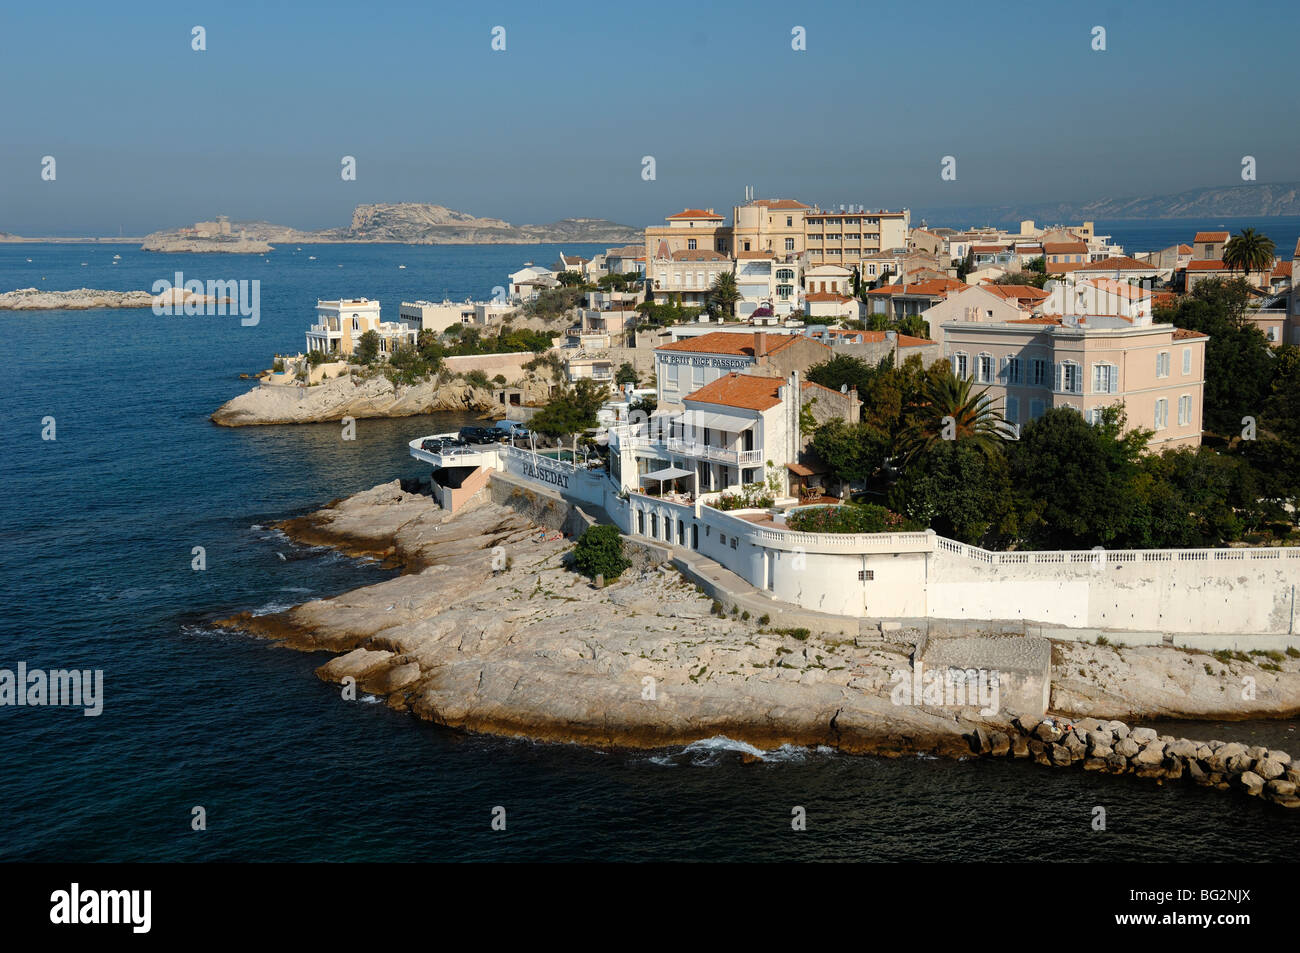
(117, 256)
(401, 266)
(29, 259)
(311, 257)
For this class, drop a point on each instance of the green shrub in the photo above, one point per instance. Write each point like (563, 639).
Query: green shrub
(764, 619)
(600, 553)
(800, 634)
(849, 518)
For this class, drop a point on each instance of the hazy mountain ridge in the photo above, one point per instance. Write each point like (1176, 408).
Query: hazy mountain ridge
(1233, 201)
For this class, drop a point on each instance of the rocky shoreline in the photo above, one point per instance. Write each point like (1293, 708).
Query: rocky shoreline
(356, 397)
(487, 630)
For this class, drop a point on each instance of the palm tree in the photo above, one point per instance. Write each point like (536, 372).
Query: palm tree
(949, 410)
(1249, 251)
(724, 291)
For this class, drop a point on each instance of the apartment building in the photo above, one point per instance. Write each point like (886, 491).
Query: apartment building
(767, 279)
(689, 364)
(769, 225)
(900, 301)
(1087, 363)
(692, 229)
(686, 275)
(844, 237)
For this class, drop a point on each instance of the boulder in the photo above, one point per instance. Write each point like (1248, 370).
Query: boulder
(1279, 756)
(1196, 773)
(1181, 748)
(1061, 755)
(1094, 764)
(1268, 769)
(1117, 763)
(1240, 763)
(1127, 747)
(1019, 747)
(1076, 745)
(1282, 788)
(1100, 738)
(1101, 751)
(1047, 733)
(1256, 752)
(1026, 723)
(1251, 783)
(1118, 729)
(999, 744)
(1143, 735)
(979, 740)
(1152, 753)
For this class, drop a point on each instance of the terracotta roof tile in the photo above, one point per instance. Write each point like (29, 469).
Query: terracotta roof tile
(1022, 292)
(1211, 237)
(826, 296)
(1065, 248)
(699, 254)
(737, 343)
(1207, 264)
(747, 391)
(696, 213)
(1181, 334)
(1120, 262)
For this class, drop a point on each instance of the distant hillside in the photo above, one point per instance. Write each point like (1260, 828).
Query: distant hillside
(1233, 201)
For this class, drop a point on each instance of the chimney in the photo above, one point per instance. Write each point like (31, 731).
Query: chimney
(760, 344)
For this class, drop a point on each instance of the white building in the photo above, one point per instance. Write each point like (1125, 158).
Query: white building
(340, 325)
(766, 279)
(528, 281)
(723, 438)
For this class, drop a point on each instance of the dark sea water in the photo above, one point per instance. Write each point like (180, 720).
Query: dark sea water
(96, 534)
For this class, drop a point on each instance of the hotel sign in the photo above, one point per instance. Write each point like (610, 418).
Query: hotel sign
(726, 363)
(545, 474)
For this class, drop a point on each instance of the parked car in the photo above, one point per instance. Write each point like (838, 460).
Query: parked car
(511, 430)
(442, 444)
(480, 435)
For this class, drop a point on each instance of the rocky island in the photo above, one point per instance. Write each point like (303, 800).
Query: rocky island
(488, 630)
(81, 299)
(410, 223)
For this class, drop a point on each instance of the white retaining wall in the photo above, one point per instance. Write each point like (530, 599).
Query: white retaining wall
(925, 576)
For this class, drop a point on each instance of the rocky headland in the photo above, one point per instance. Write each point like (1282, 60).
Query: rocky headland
(358, 397)
(488, 630)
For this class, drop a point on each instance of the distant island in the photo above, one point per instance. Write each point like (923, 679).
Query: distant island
(408, 223)
(1232, 201)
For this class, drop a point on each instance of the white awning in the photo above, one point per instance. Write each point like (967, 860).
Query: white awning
(667, 473)
(716, 421)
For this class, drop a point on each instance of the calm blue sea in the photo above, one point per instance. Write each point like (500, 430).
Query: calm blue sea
(96, 533)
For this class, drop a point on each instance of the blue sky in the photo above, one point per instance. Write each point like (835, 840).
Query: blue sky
(148, 133)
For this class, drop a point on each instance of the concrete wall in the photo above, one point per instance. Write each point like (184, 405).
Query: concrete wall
(1228, 593)
(511, 366)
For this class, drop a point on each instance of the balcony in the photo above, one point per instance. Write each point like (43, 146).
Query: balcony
(738, 458)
